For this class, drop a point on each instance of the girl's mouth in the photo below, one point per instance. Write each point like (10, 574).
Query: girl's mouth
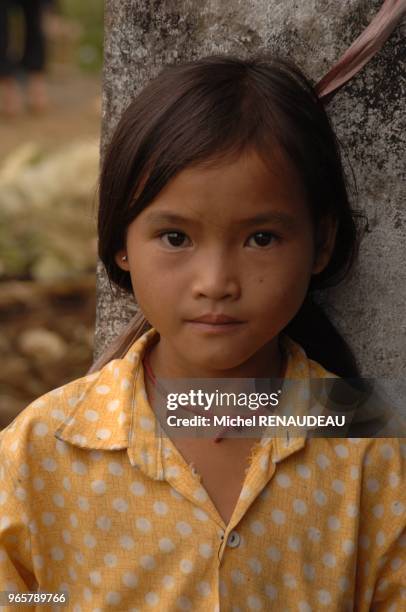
(215, 323)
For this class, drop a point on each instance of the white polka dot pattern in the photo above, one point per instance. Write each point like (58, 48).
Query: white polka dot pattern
(104, 511)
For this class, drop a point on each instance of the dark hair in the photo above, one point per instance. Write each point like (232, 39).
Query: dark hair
(213, 107)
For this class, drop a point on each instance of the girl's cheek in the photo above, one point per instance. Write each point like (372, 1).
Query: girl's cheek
(282, 288)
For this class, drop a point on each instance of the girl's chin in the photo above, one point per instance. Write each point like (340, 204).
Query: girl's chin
(219, 366)
(215, 356)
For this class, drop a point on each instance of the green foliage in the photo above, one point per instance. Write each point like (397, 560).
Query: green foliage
(89, 15)
(47, 226)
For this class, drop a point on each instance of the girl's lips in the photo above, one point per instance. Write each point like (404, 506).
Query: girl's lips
(216, 327)
(215, 319)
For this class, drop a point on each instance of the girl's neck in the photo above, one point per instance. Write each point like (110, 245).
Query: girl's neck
(266, 363)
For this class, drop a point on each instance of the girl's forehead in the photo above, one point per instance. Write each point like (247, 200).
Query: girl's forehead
(248, 177)
(234, 192)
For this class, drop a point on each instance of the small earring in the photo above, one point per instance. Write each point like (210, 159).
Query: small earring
(124, 258)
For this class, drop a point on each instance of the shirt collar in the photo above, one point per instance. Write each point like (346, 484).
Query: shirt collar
(110, 409)
(103, 404)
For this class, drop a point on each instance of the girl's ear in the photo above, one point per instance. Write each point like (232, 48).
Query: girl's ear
(121, 259)
(325, 241)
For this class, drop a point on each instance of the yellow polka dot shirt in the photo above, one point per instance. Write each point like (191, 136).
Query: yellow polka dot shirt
(94, 503)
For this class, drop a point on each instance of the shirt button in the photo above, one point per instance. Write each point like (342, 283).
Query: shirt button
(234, 539)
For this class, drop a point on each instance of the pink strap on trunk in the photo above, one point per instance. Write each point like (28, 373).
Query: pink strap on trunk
(363, 48)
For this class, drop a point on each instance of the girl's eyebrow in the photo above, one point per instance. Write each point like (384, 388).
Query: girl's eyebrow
(157, 216)
(277, 217)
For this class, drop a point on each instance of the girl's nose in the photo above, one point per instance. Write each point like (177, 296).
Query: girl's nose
(217, 278)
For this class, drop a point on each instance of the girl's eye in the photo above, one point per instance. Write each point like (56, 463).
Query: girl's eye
(175, 239)
(261, 239)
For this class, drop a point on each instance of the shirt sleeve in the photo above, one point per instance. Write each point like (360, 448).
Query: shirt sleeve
(382, 528)
(16, 568)
(390, 590)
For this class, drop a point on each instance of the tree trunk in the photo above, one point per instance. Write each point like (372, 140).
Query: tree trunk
(142, 36)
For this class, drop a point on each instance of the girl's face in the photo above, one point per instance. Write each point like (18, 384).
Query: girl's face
(221, 261)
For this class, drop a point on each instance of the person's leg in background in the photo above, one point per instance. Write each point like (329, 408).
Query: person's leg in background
(34, 55)
(10, 93)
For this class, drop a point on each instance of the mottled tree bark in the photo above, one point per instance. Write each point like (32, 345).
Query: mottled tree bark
(142, 36)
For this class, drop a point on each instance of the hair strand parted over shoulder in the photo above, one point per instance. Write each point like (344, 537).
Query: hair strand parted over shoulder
(212, 108)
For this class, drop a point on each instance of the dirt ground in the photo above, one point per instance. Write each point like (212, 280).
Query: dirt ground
(46, 338)
(74, 112)
(46, 331)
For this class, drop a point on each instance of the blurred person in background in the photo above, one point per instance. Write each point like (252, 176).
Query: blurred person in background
(32, 61)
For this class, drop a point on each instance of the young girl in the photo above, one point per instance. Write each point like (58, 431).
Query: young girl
(223, 206)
